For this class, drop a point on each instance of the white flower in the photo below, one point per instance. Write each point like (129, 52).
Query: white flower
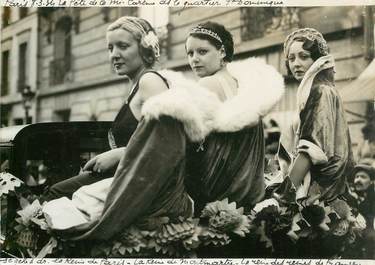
(152, 41)
(30, 212)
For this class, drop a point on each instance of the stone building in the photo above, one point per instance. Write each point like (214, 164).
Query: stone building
(19, 49)
(261, 31)
(74, 81)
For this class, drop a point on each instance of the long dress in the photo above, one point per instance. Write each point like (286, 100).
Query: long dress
(315, 218)
(230, 161)
(322, 131)
(148, 186)
(119, 134)
(143, 189)
(323, 125)
(228, 165)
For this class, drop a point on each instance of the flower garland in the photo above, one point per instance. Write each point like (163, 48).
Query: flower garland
(313, 228)
(330, 227)
(32, 236)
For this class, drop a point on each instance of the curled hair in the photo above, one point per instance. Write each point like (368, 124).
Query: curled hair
(313, 47)
(224, 35)
(139, 28)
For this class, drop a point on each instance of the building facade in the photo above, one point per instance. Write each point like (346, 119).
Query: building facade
(19, 49)
(76, 79)
(67, 59)
(261, 31)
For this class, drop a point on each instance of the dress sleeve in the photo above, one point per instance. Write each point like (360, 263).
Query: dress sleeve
(155, 150)
(318, 125)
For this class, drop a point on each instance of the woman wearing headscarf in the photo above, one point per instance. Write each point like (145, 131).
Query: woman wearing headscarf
(310, 206)
(322, 141)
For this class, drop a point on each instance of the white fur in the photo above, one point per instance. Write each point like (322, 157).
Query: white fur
(260, 88)
(187, 102)
(201, 111)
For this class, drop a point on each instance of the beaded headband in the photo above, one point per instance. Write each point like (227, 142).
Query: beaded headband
(307, 33)
(201, 30)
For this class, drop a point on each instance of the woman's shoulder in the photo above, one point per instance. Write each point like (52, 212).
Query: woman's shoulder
(150, 77)
(213, 84)
(151, 83)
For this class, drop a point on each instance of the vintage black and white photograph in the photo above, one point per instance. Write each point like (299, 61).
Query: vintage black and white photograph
(187, 132)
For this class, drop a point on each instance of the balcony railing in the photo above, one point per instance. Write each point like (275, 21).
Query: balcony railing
(59, 68)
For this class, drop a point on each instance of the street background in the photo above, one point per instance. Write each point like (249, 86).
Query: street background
(54, 61)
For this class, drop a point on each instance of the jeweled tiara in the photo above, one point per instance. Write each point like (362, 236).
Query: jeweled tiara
(201, 30)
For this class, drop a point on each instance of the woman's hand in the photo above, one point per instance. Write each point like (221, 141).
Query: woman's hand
(300, 168)
(104, 161)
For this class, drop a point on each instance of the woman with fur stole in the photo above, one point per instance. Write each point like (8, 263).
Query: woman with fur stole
(147, 191)
(229, 163)
(141, 184)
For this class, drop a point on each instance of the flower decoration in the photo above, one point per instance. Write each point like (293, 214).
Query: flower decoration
(130, 243)
(314, 215)
(265, 204)
(177, 238)
(342, 209)
(273, 216)
(30, 212)
(210, 236)
(312, 218)
(193, 241)
(360, 222)
(225, 217)
(150, 40)
(173, 232)
(8, 182)
(132, 240)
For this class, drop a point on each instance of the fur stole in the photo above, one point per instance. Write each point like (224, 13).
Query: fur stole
(201, 111)
(260, 87)
(185, 101)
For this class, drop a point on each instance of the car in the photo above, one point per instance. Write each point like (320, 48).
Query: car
(52, 150)
(43, 154)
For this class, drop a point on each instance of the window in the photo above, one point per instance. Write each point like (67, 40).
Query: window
(23, 12)
(22, 63)
(5, 73)
(6, 16)
(61, 63)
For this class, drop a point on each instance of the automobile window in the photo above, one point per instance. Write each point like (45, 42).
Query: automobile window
(51, 157)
